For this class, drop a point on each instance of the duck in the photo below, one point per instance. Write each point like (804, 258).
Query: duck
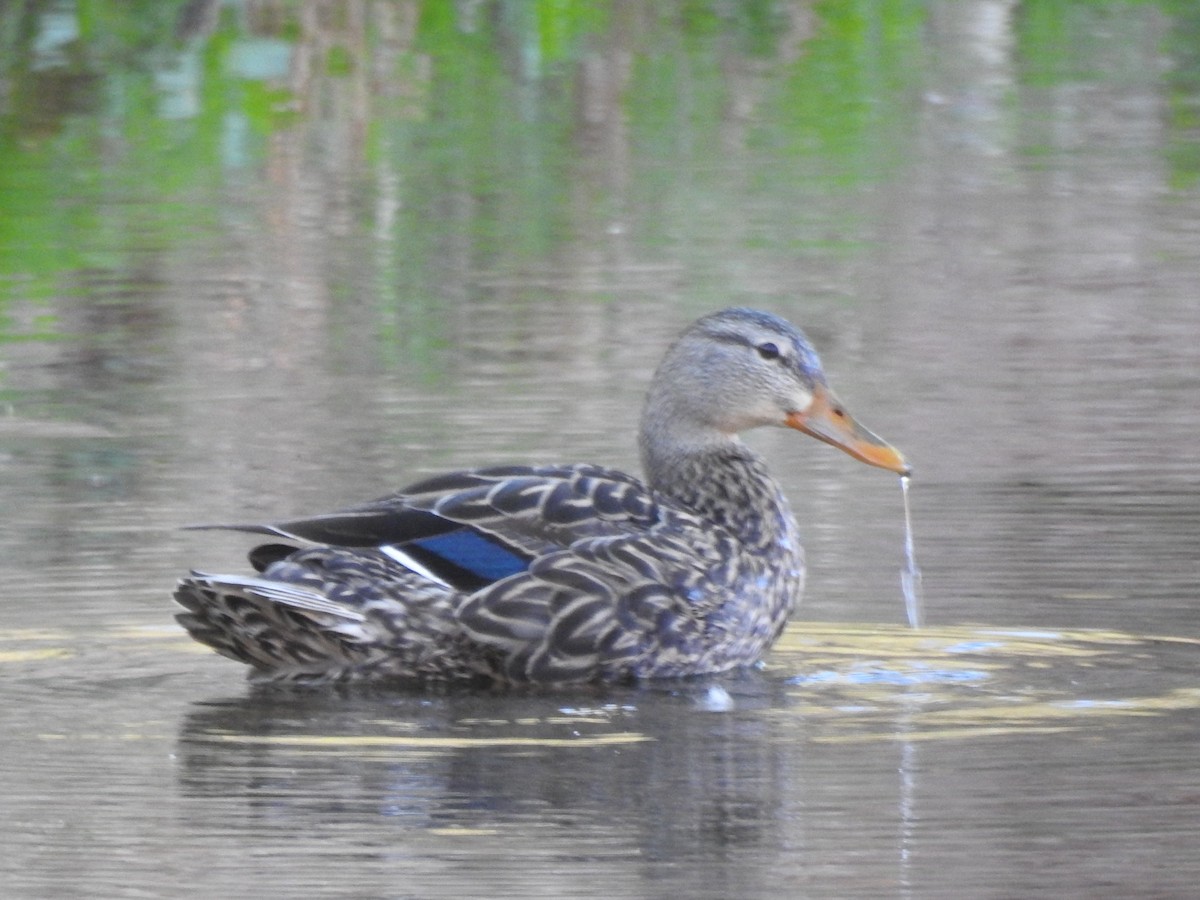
(557, 574)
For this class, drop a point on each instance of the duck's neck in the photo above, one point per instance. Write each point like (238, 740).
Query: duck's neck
(727, 484)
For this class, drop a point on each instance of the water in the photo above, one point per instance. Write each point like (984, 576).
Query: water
(257, 263)
(910, 575)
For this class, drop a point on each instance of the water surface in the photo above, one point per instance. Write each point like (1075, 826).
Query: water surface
(258, 260)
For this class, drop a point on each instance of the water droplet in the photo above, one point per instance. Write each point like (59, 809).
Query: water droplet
(715, 699)
(910, 575)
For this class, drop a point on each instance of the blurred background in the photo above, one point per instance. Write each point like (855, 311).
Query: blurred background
(260, 259)
(267, 257)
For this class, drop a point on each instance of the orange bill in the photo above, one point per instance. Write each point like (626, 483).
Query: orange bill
(826, 420)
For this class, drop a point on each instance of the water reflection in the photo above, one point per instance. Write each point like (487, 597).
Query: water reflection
(717, 799)
(859, 758)
(823, 778)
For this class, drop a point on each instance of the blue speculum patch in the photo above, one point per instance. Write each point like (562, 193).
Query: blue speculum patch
(474, 552)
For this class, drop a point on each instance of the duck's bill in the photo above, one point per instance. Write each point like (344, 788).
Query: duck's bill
(827, 420)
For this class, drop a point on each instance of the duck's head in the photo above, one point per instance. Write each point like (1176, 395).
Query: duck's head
(740, 369)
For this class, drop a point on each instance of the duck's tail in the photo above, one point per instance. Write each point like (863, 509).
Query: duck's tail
(329, 614)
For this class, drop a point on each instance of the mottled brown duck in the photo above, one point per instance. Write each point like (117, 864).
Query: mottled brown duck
(558, 574)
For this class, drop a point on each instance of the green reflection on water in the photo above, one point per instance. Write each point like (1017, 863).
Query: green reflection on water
(484, 138)
(127, 123)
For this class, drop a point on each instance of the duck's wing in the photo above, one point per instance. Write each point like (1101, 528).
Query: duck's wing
(608, 607)
(473, 528)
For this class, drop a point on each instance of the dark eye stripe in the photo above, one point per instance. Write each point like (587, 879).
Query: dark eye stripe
(767, 349)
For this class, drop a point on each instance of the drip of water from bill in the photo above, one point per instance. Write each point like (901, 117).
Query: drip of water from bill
(910, 575)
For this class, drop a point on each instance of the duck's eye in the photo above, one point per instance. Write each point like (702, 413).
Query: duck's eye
(768, 351)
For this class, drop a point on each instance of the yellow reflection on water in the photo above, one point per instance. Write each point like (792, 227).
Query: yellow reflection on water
(873, 683)
(336, 741)
(839, 683)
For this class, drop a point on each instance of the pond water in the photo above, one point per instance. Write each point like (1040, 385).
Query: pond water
(262, 259)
